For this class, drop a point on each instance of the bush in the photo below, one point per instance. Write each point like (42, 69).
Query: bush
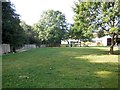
(99, 44)
(83, 43)
(64, 45)
(86, 43)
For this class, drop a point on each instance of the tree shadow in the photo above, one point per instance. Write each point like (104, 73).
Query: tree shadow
(96, 74)
(91, 74)
(63, 70)
(84, 51)
(117, 52)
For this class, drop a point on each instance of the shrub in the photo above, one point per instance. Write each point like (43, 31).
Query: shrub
(99, 44)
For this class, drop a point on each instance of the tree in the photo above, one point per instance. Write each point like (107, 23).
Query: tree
(51, 27)
(12, 33)
(100, 33)
(107, 19)
(111, 19)
(101, 16)
(81, 28)
(31, 35)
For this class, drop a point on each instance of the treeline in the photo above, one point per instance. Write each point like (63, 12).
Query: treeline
(50, 29)
(12, 32)
(53, 27)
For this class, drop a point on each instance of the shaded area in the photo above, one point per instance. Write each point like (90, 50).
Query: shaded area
(117, 52)
(58, 67)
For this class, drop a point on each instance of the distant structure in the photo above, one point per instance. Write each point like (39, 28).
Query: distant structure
(105, 41)
(71, 42)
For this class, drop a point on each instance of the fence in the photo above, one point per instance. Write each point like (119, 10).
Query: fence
(27, 47)
(4, 48)
(42, 45)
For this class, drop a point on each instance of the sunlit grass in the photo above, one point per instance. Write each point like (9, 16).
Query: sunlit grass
(82, 67)
(103, 74)
(100, 58)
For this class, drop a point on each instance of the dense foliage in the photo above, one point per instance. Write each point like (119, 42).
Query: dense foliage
(111, 20)
(82, 25)
(12, 33)
(31, 35)
(51, 27)
(101, 16)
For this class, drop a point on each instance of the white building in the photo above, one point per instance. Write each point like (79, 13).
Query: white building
(105, 41)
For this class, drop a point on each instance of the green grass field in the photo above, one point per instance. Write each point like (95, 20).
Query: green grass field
(82, 67)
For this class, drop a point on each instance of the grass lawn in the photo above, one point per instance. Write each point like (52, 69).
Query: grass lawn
(82, 67)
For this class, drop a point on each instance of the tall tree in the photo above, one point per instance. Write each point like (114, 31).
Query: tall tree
(108, 19)
(111, 20)
(12, 32)
(51, 27)
(101, 16)
(81, 28)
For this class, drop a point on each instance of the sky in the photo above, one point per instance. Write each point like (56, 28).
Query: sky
(30, 10)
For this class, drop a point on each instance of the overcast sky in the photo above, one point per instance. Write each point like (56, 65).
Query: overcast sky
(30, 10)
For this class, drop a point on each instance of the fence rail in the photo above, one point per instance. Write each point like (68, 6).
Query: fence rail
(27, 47)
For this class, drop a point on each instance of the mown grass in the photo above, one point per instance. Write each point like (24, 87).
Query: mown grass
(84, 67)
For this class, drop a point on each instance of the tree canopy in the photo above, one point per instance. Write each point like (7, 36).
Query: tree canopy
(51, 27)
(81, 28)
(101, 16)
(30, 34)
(12, 33)
(111, 20)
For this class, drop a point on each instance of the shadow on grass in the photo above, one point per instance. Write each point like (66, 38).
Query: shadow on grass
(84, 51)
(91, 74)
(58, 68)
(85, 74)
(82, 73)
(117, 52)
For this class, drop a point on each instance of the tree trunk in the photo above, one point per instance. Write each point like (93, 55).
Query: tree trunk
(14, 50)
(67, 44)
(112, 45)
(80, 42)
(12, 47)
